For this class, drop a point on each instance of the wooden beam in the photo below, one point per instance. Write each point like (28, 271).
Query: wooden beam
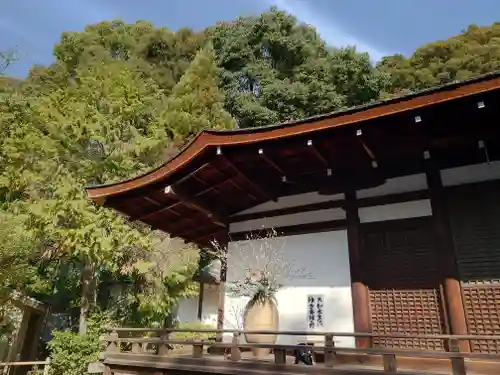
(317, 153)
(370, 153)
(222, 293)
(447, 257)
(378, 200)
(258, 187)
(200, 301)
(271, 163)
(360, 299)
(288, 210)
(170, 207)
(290, 230)
(197, 205)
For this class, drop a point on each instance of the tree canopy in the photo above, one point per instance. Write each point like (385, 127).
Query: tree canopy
(473, 52)
(275, 69)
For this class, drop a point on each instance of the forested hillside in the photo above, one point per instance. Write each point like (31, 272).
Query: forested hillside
(121, 98)
(476, 51)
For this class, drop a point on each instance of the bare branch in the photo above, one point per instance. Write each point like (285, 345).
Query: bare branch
(260, 265)
(6, 59)
(235, 317)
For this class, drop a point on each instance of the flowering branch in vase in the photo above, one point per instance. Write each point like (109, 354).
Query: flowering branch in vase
(259, 268)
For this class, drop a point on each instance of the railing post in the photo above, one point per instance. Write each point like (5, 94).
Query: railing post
(198, 349)
(163, 347)
(235, 348)
(458, 362)
(46, 368)
(279, 356)
(329, 350)
(136, 348)
(390, 364)
(113, 344)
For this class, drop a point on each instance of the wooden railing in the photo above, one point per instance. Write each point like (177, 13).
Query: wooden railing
(36, 366)
(163, 344)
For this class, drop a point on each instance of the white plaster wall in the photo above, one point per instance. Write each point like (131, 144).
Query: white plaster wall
(325, 256)
(451, 177)
(292, 201)
(396, 211)
(396, 185)
(285, 220)
(471, 173)
(187, 309)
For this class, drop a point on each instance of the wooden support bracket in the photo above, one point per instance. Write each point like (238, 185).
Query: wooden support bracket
(197, 205)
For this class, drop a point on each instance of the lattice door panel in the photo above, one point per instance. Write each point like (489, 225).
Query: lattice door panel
(482, 309)
(475, 222)
(400, 267)
(412, 312)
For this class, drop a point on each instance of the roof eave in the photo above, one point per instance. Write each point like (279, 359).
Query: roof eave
(211, 138)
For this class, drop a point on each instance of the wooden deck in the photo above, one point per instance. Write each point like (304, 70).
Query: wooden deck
(219, 364)
(154, 355)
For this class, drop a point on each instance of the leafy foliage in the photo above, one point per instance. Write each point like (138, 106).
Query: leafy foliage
(196, 102)
(72, 353)
(18, 250)
(473, 52)
(189, 336)
(274, 69)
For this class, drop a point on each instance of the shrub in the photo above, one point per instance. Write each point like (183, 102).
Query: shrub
(71, 353)
(188, 336)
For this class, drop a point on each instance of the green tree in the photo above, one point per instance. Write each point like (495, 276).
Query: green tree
(19, 250)
(7, 84)
(108, 124)
(475, 51)
(101, 129)
(157, 53)
(196, 102)
(275, 69)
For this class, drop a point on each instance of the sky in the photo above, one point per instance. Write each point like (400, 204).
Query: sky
(380, 27)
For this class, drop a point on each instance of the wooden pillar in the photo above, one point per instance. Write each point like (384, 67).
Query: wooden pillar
(15, 349)
(37, 334)
(222, 292)
(359, 291)
(447, 257)
(29, 346)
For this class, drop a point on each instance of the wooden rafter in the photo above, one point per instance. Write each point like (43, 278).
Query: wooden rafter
(204, 237)
(170, 207)
(271, 163)
(262, 190)
(317, 153)
(196, 204)
(237, 186)
(368, 150)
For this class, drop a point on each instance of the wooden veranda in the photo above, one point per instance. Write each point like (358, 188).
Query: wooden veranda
(154, 353)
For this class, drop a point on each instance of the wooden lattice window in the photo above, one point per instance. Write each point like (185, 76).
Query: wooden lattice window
(411, 312)
(400, 267)
(482, 309)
